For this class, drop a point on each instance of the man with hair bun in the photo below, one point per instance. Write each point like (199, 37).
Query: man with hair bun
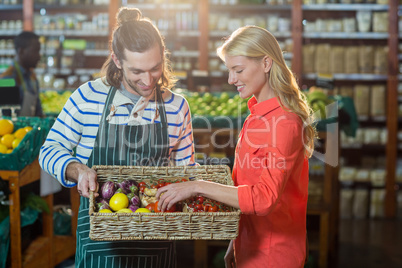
(127, 117)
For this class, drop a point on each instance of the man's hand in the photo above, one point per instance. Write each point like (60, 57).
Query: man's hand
(85, 178)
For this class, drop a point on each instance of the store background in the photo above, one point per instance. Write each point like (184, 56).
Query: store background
(353, 43)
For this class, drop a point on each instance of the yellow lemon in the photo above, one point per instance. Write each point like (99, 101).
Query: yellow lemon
(124, 210)
(6, 127)
(20, 133)
(105, 210)
(3, 149)
(142, 210)
(15, 143)
(7, 140)
(9, 151)
(28, 128)
(118, 201)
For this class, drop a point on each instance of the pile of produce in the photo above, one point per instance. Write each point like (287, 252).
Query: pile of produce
(10, 139)
(216, 105)
(53, 101)
(128, 196)
(317, 98)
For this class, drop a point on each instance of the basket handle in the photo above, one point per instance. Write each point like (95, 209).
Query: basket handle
(91, 202)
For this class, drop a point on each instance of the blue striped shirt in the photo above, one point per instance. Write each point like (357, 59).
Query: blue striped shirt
(77, 126)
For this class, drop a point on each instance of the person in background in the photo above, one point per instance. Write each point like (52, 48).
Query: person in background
(270, 172)
(127, 117)
(27, 48)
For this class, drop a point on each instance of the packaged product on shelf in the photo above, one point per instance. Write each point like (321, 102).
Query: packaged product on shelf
(371, 136)
(381, 60)
(377, 177)
(334, 26)
(351, 60)
(360, 203)
(377, 103)
(366, 59)
(272, 23)
(321, 25)
(309, 58)
(346, 203)
(322, 58)
(336, 59)
(377, 201)
(361, 98)
(380, 22)
(346, 91)
(383, 136)
(349, 25)
(363, 20)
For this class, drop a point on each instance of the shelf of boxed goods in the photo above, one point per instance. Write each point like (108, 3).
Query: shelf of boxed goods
(324, 195)
(388, 36)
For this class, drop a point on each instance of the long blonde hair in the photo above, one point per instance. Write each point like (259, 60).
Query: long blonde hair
(255, 42)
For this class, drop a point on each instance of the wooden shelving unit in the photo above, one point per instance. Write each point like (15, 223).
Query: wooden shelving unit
(47, 250)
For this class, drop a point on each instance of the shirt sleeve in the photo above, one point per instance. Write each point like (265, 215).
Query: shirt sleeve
(183, 150)
(279, 161)
(66, 133)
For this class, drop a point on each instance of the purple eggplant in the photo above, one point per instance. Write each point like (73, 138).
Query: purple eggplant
(108, 189)
(102, 204)
(127, 186)
(133, 208)
(135, 200)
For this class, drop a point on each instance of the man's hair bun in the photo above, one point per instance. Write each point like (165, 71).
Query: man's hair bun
(128, 15)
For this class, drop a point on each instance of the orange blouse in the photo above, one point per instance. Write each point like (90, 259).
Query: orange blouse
(271, 171)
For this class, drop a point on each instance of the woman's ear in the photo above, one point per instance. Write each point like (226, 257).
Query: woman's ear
(116, 61)
(267, 62)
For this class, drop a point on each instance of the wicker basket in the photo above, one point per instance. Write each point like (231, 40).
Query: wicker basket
(163, 226)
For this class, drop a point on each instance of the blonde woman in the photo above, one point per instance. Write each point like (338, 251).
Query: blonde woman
(271, 162)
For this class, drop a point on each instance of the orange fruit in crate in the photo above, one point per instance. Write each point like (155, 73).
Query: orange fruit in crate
(20, 133)
(15, 143)
(7, 140)
(118, 201)
(6, 127)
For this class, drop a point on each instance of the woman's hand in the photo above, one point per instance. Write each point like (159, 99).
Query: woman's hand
(229, 256)
(175, 192)
(84, 176)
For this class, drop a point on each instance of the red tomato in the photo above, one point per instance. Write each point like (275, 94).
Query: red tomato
(167, 183)
(151, 207)
(206, 207)
(172, 209)
(213, 209)
(154, 186)
(142, 188)
(199, 207)
(200, 199)
(156, 206)
(142, 184)
(184, 180)
(160, 185)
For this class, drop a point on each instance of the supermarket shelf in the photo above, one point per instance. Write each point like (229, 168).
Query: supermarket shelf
(7, 52)
(286, 55)
(189, 33)
(361, 77)
(193, 54)
(365, 118)
(346, 35)
(250, 7)
(72, 32)
(346, 7)
(5, 7)
(152, 7)
(227, 33)
(9, 32)
(66, 71)
(399, 56)
(400, 77)
(91, 7)
(97, 52)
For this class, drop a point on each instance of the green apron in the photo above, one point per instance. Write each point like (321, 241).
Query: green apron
(125, 145)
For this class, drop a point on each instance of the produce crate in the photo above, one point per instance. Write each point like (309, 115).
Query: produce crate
(28, 149)
(163, 225)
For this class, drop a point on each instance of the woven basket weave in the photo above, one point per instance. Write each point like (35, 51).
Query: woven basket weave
(163, 226)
